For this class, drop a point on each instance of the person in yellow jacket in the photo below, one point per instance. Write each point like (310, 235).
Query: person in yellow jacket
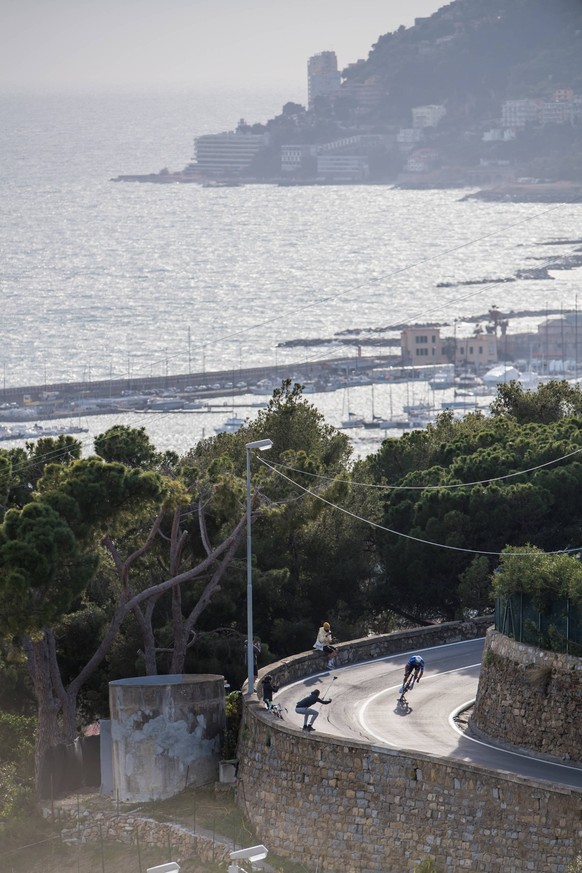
(323, 644)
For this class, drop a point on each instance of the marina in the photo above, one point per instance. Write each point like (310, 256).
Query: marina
(36, 431)
(207, 311)
(365, 397)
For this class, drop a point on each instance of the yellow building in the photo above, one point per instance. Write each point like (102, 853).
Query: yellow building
(424, 345)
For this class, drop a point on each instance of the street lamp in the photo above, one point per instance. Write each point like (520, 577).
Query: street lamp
(262, 446)
(252, 854)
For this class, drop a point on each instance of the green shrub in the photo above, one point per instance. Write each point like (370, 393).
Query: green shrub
(17, 740)
(234, 709)
(16, 764)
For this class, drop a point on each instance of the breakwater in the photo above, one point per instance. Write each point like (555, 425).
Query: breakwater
(100, 397)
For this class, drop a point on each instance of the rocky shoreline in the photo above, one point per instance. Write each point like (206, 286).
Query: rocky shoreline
(542, 192)
(538, 192)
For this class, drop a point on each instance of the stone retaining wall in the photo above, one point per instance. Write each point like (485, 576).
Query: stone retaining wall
(378, 646)
(366, 809)
(134, 829)
(530, 698)
(349, 806)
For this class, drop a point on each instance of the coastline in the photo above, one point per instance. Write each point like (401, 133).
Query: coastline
(514, 192)
(541, 192)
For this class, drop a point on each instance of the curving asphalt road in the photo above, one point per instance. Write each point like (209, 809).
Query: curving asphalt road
(365, 707)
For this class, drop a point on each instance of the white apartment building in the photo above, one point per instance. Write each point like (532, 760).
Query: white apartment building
(518, 113)
(226, 154)
(498, 135)
(565, 108)
(557, 112)
(422, 160)
(292, 156)
(408, 136)
(323, 77)
(427, 116)
(343, 168)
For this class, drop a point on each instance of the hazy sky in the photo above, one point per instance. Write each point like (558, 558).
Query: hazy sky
(186, 43)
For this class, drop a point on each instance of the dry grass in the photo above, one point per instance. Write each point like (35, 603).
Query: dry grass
(105, 858)
(35, 846)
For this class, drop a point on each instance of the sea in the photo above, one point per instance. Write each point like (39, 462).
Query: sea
(109, 280)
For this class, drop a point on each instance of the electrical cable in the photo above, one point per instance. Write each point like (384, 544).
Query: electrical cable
(431, 487)
(424, 542)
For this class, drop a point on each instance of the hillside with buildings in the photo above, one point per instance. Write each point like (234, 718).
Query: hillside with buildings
(476, 94)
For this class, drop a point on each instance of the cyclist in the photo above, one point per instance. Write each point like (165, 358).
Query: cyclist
(415, 665)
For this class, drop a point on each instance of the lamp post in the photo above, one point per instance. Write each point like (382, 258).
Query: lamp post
(263, 446)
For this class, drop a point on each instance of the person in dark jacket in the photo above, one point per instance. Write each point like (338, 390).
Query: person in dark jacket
(269, 688)
(305, 708)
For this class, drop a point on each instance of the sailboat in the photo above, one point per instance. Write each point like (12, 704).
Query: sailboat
(374, 422)
(233, 422)
(231, 425)
(398, 422)
(352, 420)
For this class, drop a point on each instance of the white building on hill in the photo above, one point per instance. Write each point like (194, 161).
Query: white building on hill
(227, 154)
(427, 116)
(323, 77)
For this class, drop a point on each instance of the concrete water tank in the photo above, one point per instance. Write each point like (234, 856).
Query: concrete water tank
(105, 756)
(166, 733)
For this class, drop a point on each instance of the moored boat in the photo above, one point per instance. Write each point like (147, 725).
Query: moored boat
(442, 380)
(37, 431)
(468, 380)
(231, 425)
(353, 420)
(396, 422)
(167, 404)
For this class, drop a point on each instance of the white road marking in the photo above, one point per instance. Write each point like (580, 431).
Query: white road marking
(531, 757)
(362, 712)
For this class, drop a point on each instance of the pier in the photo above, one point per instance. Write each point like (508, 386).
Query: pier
(108, 396)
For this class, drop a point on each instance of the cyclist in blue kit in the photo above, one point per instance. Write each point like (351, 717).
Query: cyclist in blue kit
(415, 665)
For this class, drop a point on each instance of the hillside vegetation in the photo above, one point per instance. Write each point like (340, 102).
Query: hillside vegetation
(468, 59)
(472, 56)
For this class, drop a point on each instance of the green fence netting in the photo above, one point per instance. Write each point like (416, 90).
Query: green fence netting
(558, 628)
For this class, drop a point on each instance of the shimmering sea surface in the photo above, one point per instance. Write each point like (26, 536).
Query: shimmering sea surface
(107, 280)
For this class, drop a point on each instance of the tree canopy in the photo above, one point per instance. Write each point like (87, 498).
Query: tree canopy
(459, 492)
(546, 578)
(130, 561)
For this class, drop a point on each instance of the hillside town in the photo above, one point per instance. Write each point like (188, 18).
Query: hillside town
(357, 156)
(296, 147)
